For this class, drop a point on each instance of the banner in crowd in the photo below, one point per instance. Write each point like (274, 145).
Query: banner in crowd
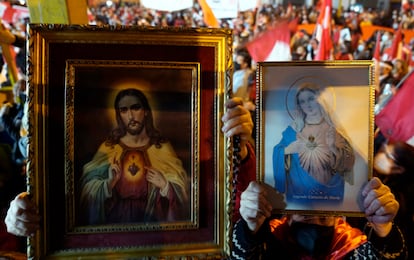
(220, 8)
(224, 8)
(245, 5)
(230, 8)
(369, 30)
(168, 6)
(395, 120)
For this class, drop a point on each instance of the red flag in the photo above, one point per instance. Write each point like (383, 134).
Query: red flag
(396, 119)
(272, 45)
(209, 17)
(396, 45)
(323, 31)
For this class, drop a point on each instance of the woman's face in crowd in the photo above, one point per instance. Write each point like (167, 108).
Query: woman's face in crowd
(308, 102)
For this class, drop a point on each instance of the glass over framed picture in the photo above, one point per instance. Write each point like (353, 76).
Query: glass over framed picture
(315, 134)
(126, 155)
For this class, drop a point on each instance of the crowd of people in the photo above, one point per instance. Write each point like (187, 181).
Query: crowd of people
(386, 204)
(349, 43)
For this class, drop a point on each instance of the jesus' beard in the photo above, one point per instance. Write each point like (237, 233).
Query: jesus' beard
(135, 131)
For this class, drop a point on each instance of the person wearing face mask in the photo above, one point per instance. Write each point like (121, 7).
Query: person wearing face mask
(312, 49)
(242, 74)
(363, 51)
(394, 165)
(259, 234)
(403, 55)
(386, 42)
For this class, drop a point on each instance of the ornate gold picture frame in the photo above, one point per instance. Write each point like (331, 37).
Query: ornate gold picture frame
(315, 134)
(78, 76)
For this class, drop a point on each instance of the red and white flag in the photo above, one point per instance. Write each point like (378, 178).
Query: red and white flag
(12, 13)
(272, 45)
(396, 119)
(323, 31)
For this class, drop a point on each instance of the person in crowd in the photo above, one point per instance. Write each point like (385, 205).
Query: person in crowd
(12, 162)
(264, 21)
(258, 235)
(299, 53)
(386, 79)
(312, 49)
(135, 176)
(403, 52)
(23, 218)
(13, 146)
(386, 43)
(314, 154)
(299, 39)
(244, 79)
(356, 35)
(11, 117)
(394, 165)
(400, 69)
(363, 51)
(242, 74)
(344, 51)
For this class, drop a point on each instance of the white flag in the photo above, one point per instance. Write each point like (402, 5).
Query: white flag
(245, 5)
(167, 5)
(224, 8)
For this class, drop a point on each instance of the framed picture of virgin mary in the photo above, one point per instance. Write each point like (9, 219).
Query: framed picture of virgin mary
(315, 134)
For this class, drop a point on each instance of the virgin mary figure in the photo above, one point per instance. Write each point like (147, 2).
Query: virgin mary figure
(314, 157)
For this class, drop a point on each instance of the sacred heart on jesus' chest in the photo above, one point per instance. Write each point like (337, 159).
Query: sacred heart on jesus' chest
(133, 178)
